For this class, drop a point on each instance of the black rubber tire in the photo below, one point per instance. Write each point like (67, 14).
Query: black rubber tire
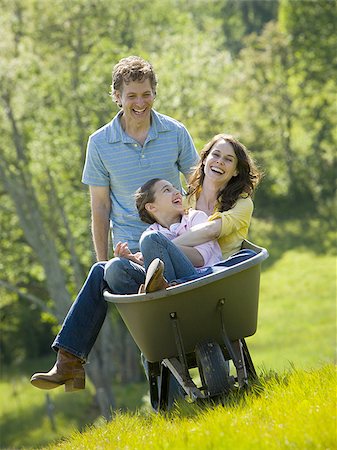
(213, 369)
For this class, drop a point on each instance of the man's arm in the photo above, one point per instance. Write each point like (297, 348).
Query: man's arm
(100, 222)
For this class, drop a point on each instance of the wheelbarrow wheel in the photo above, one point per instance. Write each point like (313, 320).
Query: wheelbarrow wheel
(213, 369)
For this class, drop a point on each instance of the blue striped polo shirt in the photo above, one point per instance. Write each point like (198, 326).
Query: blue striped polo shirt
(116, 160)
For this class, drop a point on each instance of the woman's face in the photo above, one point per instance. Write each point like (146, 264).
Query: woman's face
(167, 199)
(220, 164)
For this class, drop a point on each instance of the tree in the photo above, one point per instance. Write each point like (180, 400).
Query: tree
(54, 92)
(280, 115)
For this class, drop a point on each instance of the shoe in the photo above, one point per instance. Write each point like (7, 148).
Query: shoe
(155, 280)
(68, 370)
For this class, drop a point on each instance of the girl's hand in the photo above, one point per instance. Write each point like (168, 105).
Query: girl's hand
(139, 258)
(122, 251)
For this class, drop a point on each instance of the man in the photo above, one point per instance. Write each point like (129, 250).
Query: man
(137, 145)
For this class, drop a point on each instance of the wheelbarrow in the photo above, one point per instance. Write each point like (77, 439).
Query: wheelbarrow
(201, 324)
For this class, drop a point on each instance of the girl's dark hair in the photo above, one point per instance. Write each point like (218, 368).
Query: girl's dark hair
(143, 195)
(245, 182)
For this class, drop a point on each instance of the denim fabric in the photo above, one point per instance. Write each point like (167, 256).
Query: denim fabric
(123, 276)
(85, 317)
(238, 257)
(153, 245)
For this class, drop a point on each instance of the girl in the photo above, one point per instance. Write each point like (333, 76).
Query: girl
(160, 205)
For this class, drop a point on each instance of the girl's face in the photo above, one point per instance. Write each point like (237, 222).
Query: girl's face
(220, 165)
(167, 200)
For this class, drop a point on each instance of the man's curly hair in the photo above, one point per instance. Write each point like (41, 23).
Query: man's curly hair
(132, 68)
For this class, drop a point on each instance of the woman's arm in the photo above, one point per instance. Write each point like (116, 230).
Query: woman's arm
(199, 234)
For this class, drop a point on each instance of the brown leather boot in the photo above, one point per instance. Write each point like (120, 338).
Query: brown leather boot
(68, 370)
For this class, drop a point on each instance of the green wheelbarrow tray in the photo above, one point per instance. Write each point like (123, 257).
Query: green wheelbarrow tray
(196, 304)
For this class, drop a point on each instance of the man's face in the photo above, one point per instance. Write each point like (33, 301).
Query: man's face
(137, 100)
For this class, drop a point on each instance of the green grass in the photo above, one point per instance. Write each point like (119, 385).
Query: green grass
(296, 328)
(294, 411)
(24, 418)
(297, 312)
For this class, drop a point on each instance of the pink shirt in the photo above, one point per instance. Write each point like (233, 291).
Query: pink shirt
(210, 251)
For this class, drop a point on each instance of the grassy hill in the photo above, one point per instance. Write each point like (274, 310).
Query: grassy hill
(296, 329)
(295, 411)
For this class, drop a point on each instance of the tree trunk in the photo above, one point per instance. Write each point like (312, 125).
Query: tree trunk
(16, 178)
(100, 370)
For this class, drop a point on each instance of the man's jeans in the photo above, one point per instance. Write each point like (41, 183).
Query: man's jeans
(85, 318)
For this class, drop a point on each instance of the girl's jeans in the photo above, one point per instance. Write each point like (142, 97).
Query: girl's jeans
(177, 267)
(86, 315)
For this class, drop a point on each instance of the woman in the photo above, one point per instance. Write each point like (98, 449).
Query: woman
(222, 186)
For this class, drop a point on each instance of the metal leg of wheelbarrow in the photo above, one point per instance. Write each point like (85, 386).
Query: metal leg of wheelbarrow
(251, 372)
(178, 368)
(159, 385)
(153, 373)
(235, 350)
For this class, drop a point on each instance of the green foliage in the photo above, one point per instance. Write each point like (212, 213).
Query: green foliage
(296, 410)
(19, 340)
(220, 68)
(287, 124)
(311, 26)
